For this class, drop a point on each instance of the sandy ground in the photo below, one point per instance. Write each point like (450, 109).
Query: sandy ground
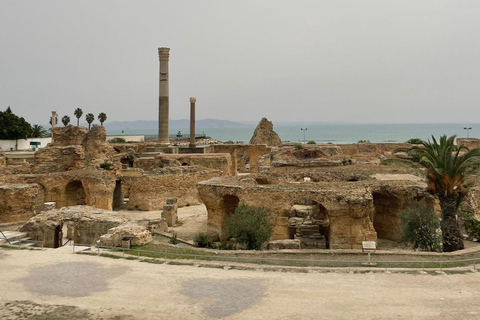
(193, 220)
(56, 284)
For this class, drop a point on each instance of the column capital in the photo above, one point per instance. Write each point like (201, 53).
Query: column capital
(163, 53)
(193, 99)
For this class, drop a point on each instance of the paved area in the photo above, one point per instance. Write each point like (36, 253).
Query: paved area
(56, 284)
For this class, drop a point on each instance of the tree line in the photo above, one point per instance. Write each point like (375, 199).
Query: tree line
(13, 127)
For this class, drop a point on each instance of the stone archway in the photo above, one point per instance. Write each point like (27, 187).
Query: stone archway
(385, 219)
(230, 203)
(228, 206)
(310, 223)
(75, 194)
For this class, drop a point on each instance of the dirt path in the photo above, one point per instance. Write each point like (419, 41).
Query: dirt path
(56, 284)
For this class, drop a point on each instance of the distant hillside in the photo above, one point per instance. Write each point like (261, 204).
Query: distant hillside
(184, 123)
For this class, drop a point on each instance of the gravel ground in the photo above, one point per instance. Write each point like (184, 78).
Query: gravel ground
(125, 289)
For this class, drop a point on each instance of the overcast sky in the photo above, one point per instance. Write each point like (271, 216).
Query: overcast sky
(348, 61)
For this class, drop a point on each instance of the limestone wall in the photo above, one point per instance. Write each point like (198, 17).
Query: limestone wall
(75, 148)
(19, 202)
(86, 225)
(150, 191)
(349, 209)
(64, 187)
(221, 162)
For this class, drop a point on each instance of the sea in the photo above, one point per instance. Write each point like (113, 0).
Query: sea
(330, 132)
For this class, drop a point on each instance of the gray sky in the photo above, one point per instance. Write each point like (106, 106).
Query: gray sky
(349, 61)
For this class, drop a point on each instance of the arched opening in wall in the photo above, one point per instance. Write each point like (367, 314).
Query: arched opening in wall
(310, 223)
(230, 203)
(385, 219)
(126, 162)
(117, 202)
(184, 164)
(75, 194)
(40, 203)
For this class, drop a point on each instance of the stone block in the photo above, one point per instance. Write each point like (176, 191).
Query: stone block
(283, 244)
(49, 206)
(169, 213)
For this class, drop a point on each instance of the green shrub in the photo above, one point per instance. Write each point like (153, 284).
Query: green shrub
(298, 147)
(203, 240)
(472, 224)
(117, 140)
(363, 141)
(173, 240)
(415, 141)
(106, 165)
(250, 226)
(420, 227)
(226, 245)
(311, 142)
(229, 142)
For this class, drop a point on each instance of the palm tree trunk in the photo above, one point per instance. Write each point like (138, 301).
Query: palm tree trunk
(78, 122)
(452, 240)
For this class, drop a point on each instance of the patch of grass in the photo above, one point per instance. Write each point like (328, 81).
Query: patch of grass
(179, 263)
(215, 266)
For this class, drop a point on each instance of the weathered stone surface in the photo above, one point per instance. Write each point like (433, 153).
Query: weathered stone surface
(3, 160)
(113, 238)
(87, 186)
(348, 209)
(149, 191)
(470, 143)
(283, 244)
(86, 225)
(19, 202)
(75, 148)
(264, 134)
(169, 212)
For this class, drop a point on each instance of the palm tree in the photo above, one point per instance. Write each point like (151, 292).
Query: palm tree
(65, 120)
(78, 114)
(448, 165)
(90, 117)
(102, 117)
(38, 132)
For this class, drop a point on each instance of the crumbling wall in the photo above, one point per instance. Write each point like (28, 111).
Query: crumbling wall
(264, 134)
(349, 209)
(149, 191)
(220, 162)
(389, 200)
(87, 225)
(98, 186)
(19, 202)
(75, 148)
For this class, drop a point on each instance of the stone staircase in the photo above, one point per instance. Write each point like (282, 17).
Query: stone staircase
(15, 238)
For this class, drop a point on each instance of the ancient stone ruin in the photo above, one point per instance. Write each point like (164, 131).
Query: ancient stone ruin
(264, 134)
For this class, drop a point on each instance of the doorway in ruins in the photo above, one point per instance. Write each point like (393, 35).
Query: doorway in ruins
(117, 203)
(385, 218)
(309, 222)
(75, 194)
(230, 203)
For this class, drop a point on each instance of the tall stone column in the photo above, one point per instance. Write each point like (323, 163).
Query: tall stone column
(54, 121)
(163, 55)
(192, 121)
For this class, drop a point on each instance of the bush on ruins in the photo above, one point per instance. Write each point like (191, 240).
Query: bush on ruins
(250, 225)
